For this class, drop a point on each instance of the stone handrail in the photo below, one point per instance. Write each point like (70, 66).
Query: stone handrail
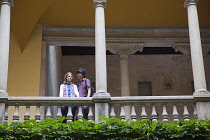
(176, 106)
(51, 101)
(150, 100)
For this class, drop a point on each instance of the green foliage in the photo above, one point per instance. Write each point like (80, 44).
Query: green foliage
(107, 129)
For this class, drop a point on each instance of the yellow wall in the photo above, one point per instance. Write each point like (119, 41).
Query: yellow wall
(24, 67)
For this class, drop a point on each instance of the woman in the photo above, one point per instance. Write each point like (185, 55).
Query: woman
(68, 89)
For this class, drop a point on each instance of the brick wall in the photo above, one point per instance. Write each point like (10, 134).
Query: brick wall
(175, 70)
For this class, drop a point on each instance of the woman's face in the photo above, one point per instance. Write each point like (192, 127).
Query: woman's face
(69, 78)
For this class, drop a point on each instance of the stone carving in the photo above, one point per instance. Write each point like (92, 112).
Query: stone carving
(10, 2)
(124, 49)
(99, 3)
(190, 2)
(183, 48)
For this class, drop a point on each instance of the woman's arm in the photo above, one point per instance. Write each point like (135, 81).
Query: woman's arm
(76, 91)
(61, 91)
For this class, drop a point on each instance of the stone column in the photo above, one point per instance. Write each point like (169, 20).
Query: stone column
(43, 77)
(100, 47)
(4, 42)
(125, 86)
(201, 95)
(53, 73)
(195, 45)
(4, 52)
(124, 50)
(101, 95)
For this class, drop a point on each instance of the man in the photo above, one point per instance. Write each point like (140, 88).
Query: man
(84, 88)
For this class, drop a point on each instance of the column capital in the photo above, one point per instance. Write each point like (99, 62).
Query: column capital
(124, 56)
(99, 3)
(130, 48)
(9, 2)
(190, 2)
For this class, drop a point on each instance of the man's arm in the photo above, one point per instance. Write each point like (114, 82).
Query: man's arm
(89, 91)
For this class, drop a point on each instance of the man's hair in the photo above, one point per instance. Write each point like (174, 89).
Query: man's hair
(82, 71)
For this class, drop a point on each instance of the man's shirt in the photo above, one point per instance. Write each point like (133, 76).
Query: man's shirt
(82, 87)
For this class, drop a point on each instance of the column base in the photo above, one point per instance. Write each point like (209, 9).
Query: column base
(199, 91)
(101, 105)
(202, 100)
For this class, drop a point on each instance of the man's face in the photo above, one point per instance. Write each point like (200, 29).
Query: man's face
(80, 76)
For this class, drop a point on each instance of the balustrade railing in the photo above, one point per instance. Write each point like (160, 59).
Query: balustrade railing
(156, 108)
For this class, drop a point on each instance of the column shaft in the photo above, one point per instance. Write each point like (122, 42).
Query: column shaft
(4, 45)
(125, 86)
(196, 49)
(100, 50)
(54, 73)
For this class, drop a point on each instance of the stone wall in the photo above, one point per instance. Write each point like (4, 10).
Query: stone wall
(161, 70)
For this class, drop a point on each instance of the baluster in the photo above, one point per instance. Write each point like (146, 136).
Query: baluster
(186, 114)
(195, 112)
(122, 113)
(69, 115)
(154, 114)
(27, 114)
(80, 115)
(38, 114)
(16, 114)
(90, 115)
(48, 115)
(133, 113)
(112, 113)
(6, 115)
(164, 114)
(143, 113)
(175, 114)
(59, 112)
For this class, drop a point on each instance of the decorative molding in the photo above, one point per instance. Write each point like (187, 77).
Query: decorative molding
(162, 34)
(125, 48)
(190, 2)
(67, 35)
(9, 2)
(124, 56)
(183, 48)
(99, 3)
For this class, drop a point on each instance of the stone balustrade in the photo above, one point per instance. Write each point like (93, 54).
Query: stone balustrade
(156, 108)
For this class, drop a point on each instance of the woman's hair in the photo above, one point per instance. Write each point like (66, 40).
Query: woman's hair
(66, 75)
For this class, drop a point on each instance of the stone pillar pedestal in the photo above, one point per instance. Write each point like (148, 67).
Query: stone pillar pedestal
(3, 100)
(101, 105)
(203, 105)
